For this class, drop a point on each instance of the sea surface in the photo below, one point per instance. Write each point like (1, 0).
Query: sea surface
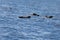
(35, 28)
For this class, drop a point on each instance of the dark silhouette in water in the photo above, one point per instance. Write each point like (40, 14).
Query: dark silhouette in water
(49, 16)
(34, 14)
(24, 16)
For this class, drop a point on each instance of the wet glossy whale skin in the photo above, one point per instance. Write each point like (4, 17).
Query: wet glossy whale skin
(35, 28)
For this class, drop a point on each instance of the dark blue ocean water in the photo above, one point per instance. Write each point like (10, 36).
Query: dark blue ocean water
(34, 28)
